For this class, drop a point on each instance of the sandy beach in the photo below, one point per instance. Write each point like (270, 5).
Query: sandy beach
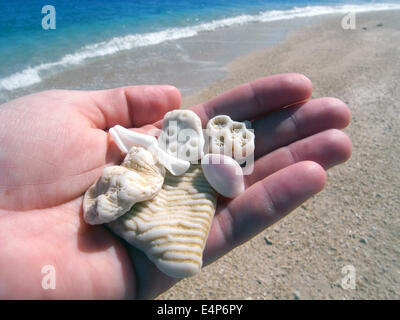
(354, 220)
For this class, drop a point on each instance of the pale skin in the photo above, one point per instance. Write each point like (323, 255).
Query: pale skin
(54, 145)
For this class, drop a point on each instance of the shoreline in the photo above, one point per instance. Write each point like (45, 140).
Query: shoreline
(26, 76)
(205, 54)
(239, 64)
(353, 221)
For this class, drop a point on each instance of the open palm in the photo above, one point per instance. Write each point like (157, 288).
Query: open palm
(54, 145)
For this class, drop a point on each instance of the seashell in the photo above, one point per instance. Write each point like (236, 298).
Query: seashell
(172, 228)
(138, 178)
(126, 139)
(182, 135)
(224, 174)
(232, 138)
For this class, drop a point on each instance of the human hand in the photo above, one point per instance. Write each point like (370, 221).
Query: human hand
(54, 145)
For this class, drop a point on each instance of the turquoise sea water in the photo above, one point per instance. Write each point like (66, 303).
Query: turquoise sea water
(86, 30)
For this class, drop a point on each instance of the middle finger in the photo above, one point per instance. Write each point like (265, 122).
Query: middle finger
(294, 123)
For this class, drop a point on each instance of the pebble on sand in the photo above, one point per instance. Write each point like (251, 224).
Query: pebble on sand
(267, 241)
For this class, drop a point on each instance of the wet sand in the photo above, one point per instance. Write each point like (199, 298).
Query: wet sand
(355, 220)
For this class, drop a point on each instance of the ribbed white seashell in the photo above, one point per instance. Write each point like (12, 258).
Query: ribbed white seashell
(182, 135)
(224, 174)
(172, 228)
(125, 139)
(229, 137)
(138, 178)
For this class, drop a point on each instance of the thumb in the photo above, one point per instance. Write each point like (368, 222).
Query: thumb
(133, 106)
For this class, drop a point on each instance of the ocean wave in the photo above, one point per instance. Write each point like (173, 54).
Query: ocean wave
(31, 75)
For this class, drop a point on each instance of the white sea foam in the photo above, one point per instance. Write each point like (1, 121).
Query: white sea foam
(21, 79)
(31, 75)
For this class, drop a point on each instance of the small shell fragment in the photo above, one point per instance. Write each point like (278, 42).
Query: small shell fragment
(232, 138)
(182, 135)
(224, 174)
(138, 178)
(172, 228)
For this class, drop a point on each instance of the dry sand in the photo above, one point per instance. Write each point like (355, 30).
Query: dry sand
(355, 220)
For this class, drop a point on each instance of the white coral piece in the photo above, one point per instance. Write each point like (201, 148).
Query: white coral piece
(138, 178)
(232, 138)
(172, 228)
(182, 135)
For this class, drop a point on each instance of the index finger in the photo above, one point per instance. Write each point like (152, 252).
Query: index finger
(257, 98)
(252, 100)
